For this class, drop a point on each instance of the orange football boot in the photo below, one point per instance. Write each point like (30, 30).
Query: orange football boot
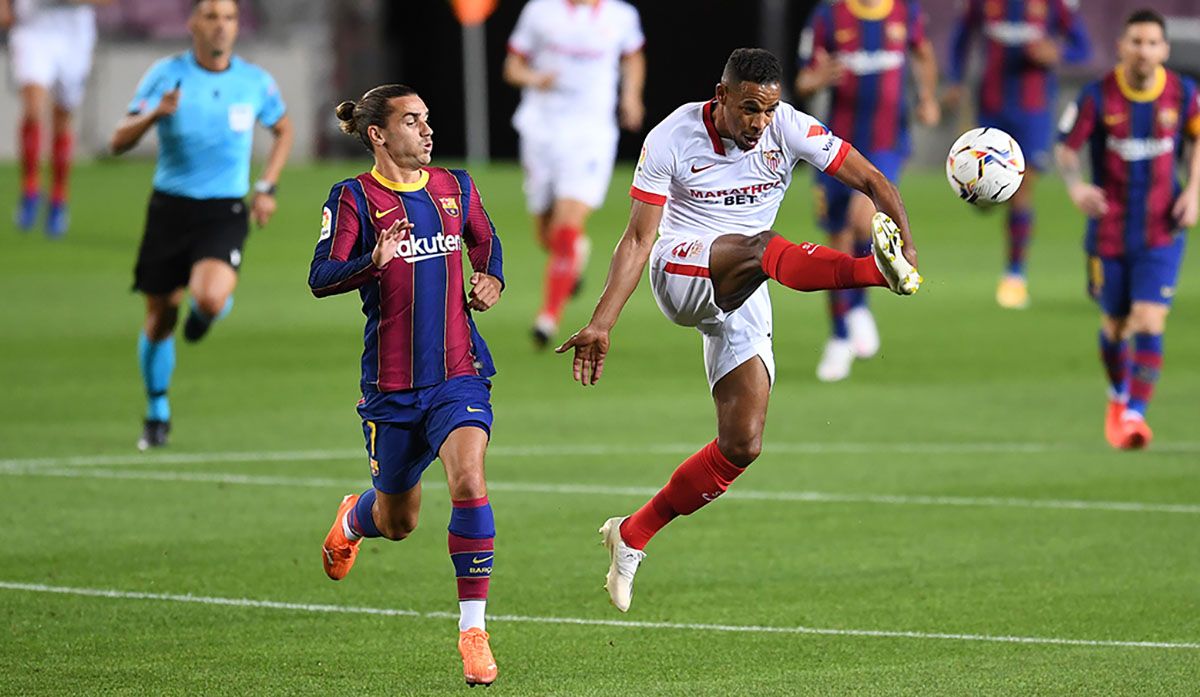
(338, 553)
(1135, 434)
(1012, 293)
(479, 667)
(1113, 430)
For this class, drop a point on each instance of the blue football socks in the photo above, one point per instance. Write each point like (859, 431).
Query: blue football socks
(157, 362)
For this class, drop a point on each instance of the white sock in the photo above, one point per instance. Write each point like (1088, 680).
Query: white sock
(350, 534)
(471, 614)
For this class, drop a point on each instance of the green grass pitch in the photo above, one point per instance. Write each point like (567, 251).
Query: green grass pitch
(956, 487)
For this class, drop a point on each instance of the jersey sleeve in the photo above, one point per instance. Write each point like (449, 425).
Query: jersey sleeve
(342, 260)
(272, 108)
(524, 40)
(1079, 119)
(1077, 47)
(154, 84)
(809, 140)
(632, 39)
(1191, 110)
(655, 167)
(970, 20)
(918, 33)
(483, 244)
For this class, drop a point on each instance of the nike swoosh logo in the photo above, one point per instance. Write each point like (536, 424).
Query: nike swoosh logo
(697, 170)
(477, 560)
(380, 214)
(473, 410)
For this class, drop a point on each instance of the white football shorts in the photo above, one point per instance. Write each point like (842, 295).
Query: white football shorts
(57, 58)
(682, 287)
(575, 166)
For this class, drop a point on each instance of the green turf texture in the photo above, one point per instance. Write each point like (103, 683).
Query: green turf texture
(281, 374)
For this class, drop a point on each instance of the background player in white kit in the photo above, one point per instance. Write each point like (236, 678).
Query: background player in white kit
(710, 181)
(568, 57)
(50, 46)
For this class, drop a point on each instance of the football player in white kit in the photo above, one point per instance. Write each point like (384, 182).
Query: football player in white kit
(568, 57)
(706, 193)
(50, 47)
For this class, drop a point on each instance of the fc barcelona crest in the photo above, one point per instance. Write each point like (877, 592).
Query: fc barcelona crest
(1169, 118)
(897, 32)
(450, 205)
(773, 158)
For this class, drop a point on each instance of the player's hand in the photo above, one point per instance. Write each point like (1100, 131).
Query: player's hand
(169, 103)
(591, 346)
(952, 97)
(632, 112)
(543, 81)
(262, 208)
(485, 292)
(389, 240)
(1090, 199)
(929, 112)
(1044, 52)
(830, 71)
(1187, 208)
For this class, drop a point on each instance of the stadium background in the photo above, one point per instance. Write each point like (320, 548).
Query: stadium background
(947, 521)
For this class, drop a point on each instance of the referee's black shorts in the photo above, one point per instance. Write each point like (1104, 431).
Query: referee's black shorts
(181, 231)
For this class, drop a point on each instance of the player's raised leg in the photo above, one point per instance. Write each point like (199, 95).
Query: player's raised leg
(211, 289)
(471, 542)
(741, 399)
(156, 361)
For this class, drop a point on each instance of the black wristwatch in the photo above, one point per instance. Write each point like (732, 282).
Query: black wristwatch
(262, 186)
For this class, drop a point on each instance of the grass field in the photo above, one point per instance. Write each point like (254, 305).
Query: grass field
(948, 521)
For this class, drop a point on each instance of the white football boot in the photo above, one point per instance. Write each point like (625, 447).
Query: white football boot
(886, 244)
(623, 564)
(864, 335)
(836, 361)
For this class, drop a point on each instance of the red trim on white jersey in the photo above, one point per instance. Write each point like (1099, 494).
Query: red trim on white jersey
(647, 197)
(686, 270)
(838, 159)
(517, 52)
(718, 146)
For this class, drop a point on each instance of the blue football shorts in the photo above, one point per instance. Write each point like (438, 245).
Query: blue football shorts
(1115, 283)
(1034, 131)
(833, 197)
(405, 430)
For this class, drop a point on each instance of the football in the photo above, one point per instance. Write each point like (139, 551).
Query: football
(985, 166)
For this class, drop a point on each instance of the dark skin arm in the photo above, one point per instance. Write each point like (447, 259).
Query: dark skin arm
(858, 173)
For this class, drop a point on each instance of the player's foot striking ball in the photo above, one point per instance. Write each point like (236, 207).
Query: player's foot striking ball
(399, 232)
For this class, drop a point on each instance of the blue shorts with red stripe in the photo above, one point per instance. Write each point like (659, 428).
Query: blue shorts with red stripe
(405, 430)
(1033, 130)
(833, 197)
(1115, 283)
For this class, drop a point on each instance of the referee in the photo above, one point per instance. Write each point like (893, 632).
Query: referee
(204, 104)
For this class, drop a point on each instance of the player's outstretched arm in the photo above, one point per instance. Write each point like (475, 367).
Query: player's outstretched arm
(628, 262)
(858, 173)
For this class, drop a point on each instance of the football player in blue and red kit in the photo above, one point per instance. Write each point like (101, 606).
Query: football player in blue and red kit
(860, 49)
(397, 235)
(1024, 42)
(1134, 122)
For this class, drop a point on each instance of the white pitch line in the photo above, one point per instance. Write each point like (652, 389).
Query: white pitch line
(585, 450)
(589, 622)
(631, 491)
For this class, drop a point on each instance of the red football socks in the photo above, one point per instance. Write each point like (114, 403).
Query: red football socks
(808, 267)
(697, 482)
(31, 145)
(562, 270)
(61, 166)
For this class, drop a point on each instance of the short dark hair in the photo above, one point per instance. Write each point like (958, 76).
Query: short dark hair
(371, 109)
(1147, 15)
(752, 65)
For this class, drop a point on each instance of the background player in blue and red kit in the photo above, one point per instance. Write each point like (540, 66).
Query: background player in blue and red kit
(860, 49)
(1134, 123)
(396, 235)
(1024, 41)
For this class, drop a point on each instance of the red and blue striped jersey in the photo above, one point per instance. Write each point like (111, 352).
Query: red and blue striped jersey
(419, 330)
(869, 106)
(1012, 83)
(1135, 140)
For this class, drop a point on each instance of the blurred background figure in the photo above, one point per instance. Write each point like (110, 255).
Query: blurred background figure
(568, 58)
(1025, 41)
(860, 49)
(50, 45)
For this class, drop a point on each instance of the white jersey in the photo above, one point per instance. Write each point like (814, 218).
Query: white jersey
(55, 15)
(582, 45)
(710, 187)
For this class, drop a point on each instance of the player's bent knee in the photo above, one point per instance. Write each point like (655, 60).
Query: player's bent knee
(741, 451)
(398, 528)
(211, 305)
